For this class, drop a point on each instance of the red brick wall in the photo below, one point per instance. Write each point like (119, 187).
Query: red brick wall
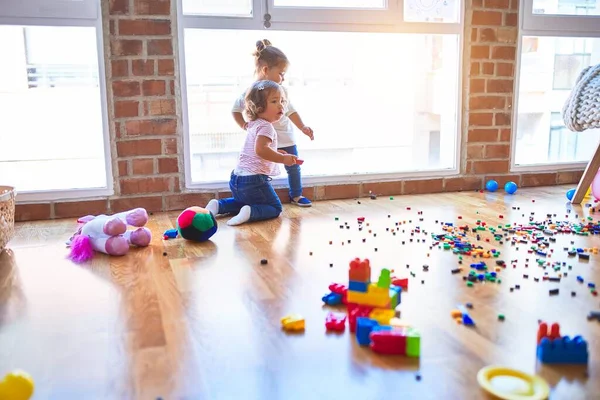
(146, 130)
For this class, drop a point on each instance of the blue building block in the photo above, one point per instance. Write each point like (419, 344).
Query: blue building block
(170, 233)
(364, 326)
(563, 350)
(356, 286)
(332, 299)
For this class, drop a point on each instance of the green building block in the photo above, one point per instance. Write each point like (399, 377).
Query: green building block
(413, 343)
(384, 279)
(469, 284)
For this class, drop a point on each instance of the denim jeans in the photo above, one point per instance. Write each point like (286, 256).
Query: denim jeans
(254, 191)
(294, 178)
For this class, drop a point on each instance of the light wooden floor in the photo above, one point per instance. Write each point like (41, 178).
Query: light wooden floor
(202, 322)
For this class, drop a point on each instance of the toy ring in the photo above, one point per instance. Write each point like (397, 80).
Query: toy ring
(511, 384)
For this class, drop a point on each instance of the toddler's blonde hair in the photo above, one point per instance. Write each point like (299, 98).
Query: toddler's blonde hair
(268, 55)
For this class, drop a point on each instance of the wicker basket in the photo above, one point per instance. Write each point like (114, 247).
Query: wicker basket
(7, 215)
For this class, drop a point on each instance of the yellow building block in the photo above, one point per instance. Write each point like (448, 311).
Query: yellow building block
(368, 299)
(382, 315)
(376, 290)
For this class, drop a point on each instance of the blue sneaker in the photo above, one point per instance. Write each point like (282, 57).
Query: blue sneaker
(301, 202)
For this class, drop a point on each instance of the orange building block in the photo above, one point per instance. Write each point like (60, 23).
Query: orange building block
(360, 271)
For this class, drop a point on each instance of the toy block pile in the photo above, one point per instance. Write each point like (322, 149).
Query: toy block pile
(371, 311)
(552, 348)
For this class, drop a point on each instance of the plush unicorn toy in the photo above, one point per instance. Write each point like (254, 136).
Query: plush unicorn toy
(109, 234)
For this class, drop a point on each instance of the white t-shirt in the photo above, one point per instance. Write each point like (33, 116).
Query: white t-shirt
(284, 127)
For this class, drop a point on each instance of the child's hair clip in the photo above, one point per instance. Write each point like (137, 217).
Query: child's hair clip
(261, 87)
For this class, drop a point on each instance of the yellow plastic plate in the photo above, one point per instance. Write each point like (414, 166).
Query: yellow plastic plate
(511, 384)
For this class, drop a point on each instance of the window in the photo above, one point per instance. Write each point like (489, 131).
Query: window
(548, 72)
(51, 105)
(566, 7)
(373, 113)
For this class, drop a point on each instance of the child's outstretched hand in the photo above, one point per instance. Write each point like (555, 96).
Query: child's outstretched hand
(307, 130)
(289, 159)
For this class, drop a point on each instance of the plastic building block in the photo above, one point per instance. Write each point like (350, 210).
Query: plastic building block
(382, 316)
(385, 340)
(553, 333)
(403, 283)
(554, 349)
(335, 322)
(170, 234)
(466, 318)
(594, 315)
(358, 286)
(337, 288)
(360, 271)
(332, 299)
(364, 326)
(355, 311)
(292, 322)
(385, 280)
(563, 350)
(376, 297)
(413, 343)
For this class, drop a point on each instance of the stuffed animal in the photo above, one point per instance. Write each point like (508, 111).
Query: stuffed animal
(109, 234)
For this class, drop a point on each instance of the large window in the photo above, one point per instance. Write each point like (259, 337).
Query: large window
(551, 59)
(380, 100)
(52, 132)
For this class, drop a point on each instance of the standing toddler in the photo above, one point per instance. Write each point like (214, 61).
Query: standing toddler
(271, 64)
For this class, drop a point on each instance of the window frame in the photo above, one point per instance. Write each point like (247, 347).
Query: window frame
(255, 22)
(89, 15)
(539, 25)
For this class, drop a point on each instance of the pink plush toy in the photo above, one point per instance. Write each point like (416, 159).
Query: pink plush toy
(109, 234)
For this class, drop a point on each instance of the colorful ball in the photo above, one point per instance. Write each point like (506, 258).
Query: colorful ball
(491, 185)
(570, 194)
(196, 224)
(510, 187)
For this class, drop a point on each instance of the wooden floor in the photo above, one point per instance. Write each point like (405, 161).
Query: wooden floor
(203, 321)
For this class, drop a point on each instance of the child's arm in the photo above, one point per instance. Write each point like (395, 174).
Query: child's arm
(295, 118)
(239, 119)
(264, 151)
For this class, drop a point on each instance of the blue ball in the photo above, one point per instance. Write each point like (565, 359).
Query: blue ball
(510, 187)
(491, 185)
(570, 194)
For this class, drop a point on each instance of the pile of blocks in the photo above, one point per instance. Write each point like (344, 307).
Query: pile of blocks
(554, 349)
(371, 311)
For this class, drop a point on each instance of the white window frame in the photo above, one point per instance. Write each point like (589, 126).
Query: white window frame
(64, 13)
(530, 24)
(256, 22)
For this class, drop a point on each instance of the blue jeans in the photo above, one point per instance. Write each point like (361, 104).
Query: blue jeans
(254, 191)
(294, 178)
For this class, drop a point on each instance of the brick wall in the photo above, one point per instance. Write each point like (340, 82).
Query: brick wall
(146, 130)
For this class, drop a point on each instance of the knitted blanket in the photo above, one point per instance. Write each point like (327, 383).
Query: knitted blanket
(581, 111)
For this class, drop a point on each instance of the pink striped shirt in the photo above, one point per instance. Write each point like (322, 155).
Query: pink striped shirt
(249, 162)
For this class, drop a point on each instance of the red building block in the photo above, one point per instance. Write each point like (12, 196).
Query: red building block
(360, 271)
(335, 322)
(355, 311)
(552, 334)
(389, 341)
